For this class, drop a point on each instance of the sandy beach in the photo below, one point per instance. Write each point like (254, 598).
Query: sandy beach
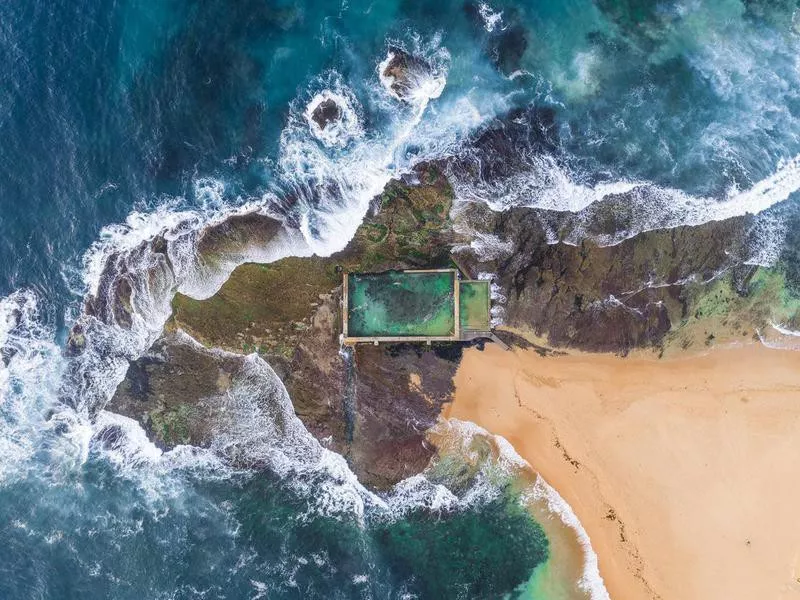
(685, 472)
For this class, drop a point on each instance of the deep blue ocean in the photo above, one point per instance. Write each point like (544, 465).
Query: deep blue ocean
(121, 119)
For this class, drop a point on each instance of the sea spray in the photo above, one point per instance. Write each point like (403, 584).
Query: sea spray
(102, 468)
(29, 371)
(537, 180)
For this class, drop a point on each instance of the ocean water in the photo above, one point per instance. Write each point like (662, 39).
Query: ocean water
(125, 120)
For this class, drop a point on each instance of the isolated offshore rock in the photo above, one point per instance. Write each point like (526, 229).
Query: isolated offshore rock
(326, 112)
(404, 72)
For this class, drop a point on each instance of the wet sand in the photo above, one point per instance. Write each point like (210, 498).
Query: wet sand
(685, 472)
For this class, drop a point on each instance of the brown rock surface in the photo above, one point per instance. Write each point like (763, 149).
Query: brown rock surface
(374, 406)
(612, 298)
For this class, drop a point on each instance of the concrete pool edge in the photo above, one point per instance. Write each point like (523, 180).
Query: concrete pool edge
(460, 334)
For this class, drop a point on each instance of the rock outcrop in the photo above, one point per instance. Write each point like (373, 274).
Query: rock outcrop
(403, 73)
(326, 112)
(176, 391)
(601, 298)
(373, 405)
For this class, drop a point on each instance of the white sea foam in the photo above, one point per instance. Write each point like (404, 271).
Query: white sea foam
(519, 73)
(591, 582)
(543, 184)
(30, 367)
(779, 337)
(131, 447)
(256, 425)
(209, 193)
(487, 246)
(785, 330)
(546, 185)
(418, 492)
(491, 19)
(497, 311)
(768, 236)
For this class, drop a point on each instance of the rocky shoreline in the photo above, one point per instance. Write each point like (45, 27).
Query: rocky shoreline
(662, 290)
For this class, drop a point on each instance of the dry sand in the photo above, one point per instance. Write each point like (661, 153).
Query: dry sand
(685, 472)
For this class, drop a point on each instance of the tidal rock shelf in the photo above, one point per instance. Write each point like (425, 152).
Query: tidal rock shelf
(665, 290)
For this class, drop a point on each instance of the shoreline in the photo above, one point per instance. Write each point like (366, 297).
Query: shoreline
(679, 469)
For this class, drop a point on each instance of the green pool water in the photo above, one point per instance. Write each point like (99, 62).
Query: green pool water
(474, 305)
(396, 304)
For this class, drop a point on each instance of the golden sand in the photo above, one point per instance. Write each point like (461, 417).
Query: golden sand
(684, 472)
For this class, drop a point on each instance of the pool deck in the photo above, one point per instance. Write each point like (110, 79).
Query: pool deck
(459, 335)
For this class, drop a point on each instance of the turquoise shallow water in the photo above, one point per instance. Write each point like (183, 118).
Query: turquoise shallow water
(159, 113)
(401, 304)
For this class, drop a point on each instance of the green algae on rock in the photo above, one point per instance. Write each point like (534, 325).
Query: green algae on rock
(657, 289)
(373, 407)
(732, 309)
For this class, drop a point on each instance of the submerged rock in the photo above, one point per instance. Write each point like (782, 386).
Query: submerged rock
(507, 38)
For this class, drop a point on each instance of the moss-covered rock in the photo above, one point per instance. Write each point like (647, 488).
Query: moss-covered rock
(727, 310)
(372, 407)
(175, 391)
(601, 298)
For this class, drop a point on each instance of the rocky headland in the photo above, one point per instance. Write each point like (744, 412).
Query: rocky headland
(664, 290)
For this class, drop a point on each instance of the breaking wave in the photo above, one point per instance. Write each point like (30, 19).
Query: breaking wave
(610, 212)
(337, 151)
(495, 458)
(29, 370)
(491, 19)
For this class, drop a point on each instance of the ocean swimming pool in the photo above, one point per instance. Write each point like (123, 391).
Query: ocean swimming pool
(474, 299)
(402, 304)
